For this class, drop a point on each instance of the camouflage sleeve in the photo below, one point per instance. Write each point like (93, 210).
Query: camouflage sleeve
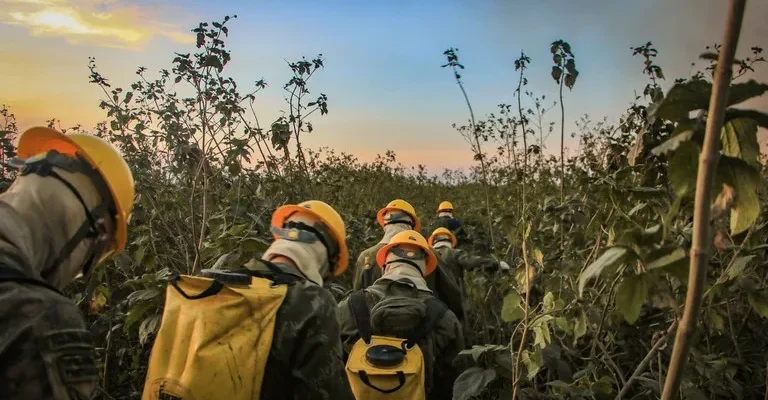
(317, 364)
(45, 348)
(366, 270)
(469, 261)
(449, 341)
(359, 267)
(347, 327)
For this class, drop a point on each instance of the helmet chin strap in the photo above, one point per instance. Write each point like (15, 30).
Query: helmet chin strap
(43, 165)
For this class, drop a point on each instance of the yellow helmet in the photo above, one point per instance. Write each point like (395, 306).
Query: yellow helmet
(399, 205)
(445, 206)
(103, 157)
(412, 238)
(329, 217)
(442, 232)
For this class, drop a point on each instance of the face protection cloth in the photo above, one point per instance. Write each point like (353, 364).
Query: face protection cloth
(397, 270)
(311, 259)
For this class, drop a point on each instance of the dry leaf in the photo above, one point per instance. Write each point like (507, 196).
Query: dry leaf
(723, 202)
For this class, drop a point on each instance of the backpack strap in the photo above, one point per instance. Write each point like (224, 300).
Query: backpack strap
(366, 277)
(436, 309)
(211, 290)
(275, 273)
(11, 274)
(361, 314)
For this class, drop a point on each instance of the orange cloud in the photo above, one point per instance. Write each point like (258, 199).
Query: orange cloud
(101, 23)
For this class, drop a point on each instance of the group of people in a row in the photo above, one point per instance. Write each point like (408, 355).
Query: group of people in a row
(266, 330)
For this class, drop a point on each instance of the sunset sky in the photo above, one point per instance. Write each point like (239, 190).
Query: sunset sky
(383, 78)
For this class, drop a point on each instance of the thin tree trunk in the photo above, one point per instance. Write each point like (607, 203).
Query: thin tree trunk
(562, 160)
(482, 160)
(704, 182)
(525, 140)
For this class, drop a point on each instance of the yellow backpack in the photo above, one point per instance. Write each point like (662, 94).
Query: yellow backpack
(381, 367)
(215, 336)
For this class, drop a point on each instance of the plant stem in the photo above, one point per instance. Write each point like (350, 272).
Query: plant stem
(562, 159)
(525, 139)
(704, 182)
(476, 136)
(647, 360)
(516, 377)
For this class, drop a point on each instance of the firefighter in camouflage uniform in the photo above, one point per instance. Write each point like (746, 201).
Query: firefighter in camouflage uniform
(305, 360)
(66, 213)
(399, 216)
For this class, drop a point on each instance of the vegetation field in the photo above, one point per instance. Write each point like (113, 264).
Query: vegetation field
(598, 238)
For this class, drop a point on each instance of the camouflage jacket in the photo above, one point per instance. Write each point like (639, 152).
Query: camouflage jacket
(456, 261)
(439, 348)
(441, 282)
(453, 225)
(305, 361)
(46, 351)
(366, 268)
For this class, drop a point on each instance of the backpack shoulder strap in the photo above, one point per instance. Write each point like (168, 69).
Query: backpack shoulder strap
(361, 314)
(10, 274)
(436, 309)
(272, 273)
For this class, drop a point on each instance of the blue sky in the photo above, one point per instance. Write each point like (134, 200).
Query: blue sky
(383, 77)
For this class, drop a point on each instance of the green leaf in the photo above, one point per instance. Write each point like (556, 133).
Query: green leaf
(613, 256)
(138, 255)
(760, 118)
(666, 257)
(579, 326)
(744, 91)
(557, 72)
(148, 327)
(738, 267)
(135, 314)
(759, 302)
(570, 66)
(539, 256)
(541, 330)
(254, 245)
(684, 131)
(141, 296)
(213, 61)
(237, 229)
(511, 309)
(570, 79)
(679, 270)
(739, 140)
(745, 181)
(683, 167)
(472, 382)
(632, 294)
(604, 385)
(533, 362)
(549, 302)
(713, 319)
(682, 99)
(694, 95)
